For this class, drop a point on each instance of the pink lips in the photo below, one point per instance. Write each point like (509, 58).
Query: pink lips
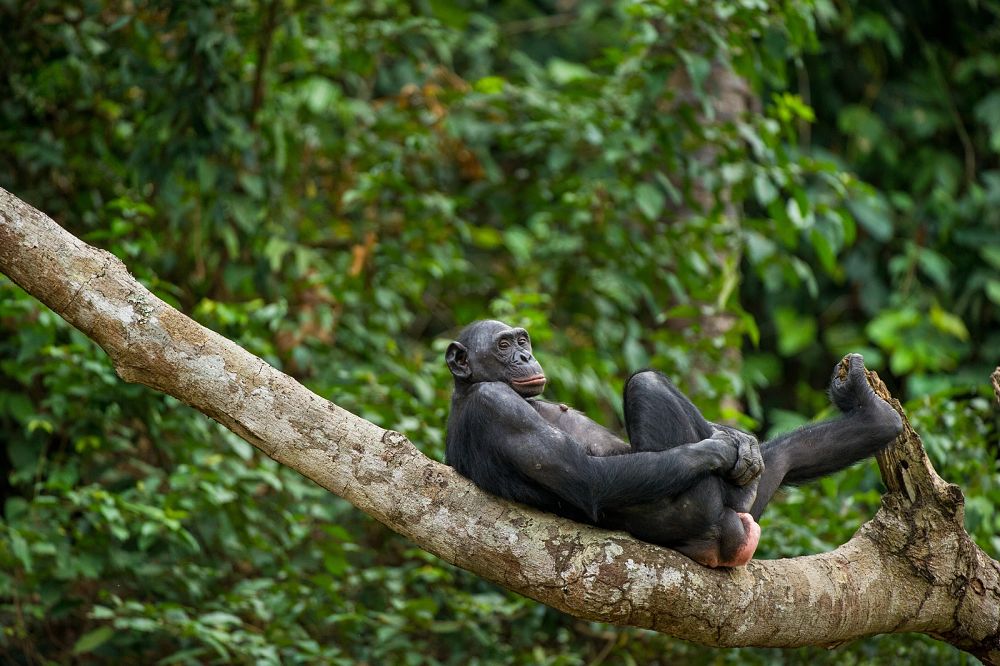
(533, 380)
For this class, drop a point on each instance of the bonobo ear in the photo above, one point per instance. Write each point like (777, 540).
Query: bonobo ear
(457, 357)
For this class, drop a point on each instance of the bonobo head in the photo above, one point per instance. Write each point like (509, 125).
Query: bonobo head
(492, 351)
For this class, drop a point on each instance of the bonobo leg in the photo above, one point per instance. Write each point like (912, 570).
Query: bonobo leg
(658, 416)
(709, 523)
(713, 522)
(866, 426)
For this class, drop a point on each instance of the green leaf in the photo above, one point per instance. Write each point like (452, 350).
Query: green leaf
(650, 200)
(635, 356)
(759, 247)
(874, 216)
(519, 242)
(764, 189)
(17, 405)
(698, 68)
(42, 424)
(888, 328)
(991, 255)
(948, 323)
(796, 331)
(750, 328)
(993, 290)
(21, 550)
(564, 71)
(320, 93)
(102, 613)
(784, 421)
(93, 639)
(824, 250)
(490, 85)
(220, 618)
(934, 266)
(789, 107)
(987, 110)
(903, 360)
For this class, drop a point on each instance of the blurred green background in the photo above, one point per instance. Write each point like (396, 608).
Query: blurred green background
(339, 186)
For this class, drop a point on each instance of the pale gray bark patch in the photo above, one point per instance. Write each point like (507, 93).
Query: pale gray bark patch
(911, 568)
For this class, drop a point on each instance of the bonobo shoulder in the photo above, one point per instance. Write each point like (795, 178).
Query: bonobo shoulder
(495, 393)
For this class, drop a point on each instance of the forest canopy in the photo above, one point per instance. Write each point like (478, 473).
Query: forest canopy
(737, 194)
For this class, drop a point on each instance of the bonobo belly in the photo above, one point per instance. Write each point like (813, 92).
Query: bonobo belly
(709, 523)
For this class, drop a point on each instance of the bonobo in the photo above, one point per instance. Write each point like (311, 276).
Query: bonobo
(683, 482)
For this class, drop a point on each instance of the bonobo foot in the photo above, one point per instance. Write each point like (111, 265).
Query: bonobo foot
(735, 546)
(849, 387)
(850, 392)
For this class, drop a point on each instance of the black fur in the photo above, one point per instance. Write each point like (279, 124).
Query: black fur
(682, 482)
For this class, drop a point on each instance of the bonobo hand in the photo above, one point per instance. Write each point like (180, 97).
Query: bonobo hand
(749, 463)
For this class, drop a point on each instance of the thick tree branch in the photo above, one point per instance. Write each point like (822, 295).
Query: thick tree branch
(911, 568)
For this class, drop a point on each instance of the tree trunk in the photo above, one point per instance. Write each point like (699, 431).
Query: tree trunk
(911, 568)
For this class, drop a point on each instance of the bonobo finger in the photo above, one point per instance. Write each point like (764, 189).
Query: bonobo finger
(856, 371)
(848, 368)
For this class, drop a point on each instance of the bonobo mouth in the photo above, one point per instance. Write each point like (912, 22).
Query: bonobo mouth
(533, 384)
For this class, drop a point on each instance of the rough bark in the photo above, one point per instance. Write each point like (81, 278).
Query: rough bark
(911, 568)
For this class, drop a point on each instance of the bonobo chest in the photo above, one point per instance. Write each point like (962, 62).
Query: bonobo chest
(596, 439)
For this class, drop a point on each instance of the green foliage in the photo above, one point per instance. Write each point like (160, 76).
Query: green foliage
(904, 97)
(339, 186)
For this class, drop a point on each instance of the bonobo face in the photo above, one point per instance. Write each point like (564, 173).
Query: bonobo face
(492, 351)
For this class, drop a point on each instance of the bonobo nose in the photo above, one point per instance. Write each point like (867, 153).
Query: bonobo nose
(525, 357)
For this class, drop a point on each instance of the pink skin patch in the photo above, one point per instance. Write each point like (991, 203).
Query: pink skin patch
(745, 552)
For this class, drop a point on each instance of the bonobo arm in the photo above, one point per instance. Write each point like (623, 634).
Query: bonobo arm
(646, 476)
(553, 459)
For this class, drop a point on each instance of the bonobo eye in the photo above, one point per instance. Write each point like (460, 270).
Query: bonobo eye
(504, 344)
(523, 340)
